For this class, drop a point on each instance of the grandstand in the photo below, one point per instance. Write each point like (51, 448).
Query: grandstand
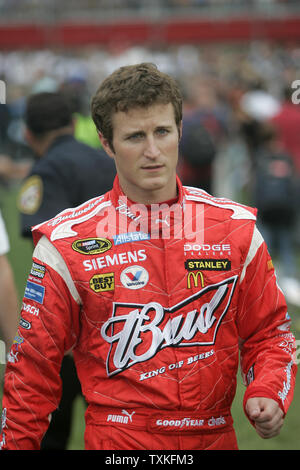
(38, 23)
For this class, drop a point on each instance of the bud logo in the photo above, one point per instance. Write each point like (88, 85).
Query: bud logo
(137, 332)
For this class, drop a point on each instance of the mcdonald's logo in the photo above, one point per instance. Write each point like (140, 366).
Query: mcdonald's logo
(195, 275)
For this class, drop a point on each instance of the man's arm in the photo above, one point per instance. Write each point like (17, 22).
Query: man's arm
(266, 342)
(42, 195)
(48, 329)
(9, 307)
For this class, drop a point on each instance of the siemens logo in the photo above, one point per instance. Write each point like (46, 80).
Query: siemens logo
(114, 260)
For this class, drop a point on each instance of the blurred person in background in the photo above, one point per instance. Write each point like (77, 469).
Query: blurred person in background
(9, 305)
(65, 174)
(156, 358)
(271, 134)
(11, 169)
(275, 196)
(204, 131)
(76, 90)
(287, 124)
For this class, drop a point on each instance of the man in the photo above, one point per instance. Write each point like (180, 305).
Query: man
(154, 309)
(66, 173)
(9, 308)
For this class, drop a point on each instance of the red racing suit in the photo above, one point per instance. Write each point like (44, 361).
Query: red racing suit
(155, 304)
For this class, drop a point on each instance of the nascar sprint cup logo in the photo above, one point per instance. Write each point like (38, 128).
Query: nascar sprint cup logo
(137, 332)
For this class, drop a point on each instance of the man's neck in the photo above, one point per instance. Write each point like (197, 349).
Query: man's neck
(42, 145)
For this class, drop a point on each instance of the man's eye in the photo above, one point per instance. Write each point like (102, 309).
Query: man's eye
(136, 136)
(162, 131)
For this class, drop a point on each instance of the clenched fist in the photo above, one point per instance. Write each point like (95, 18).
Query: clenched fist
(266, 415)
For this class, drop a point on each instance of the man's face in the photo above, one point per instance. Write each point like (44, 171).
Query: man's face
(145, 144)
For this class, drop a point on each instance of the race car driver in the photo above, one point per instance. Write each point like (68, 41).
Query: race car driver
(156, 288)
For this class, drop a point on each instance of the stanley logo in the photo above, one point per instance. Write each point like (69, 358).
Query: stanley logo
(196, 277)
(208, 264)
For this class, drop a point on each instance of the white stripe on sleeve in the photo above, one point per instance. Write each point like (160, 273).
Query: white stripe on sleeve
(256, 242)
(47, 253)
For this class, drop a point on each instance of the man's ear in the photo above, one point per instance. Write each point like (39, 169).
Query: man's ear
(28, 136)
(105, 145)
(180, 131)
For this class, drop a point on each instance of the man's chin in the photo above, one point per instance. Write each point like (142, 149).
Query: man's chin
(154, 183)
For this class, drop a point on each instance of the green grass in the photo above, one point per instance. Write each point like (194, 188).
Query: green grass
(20, 257)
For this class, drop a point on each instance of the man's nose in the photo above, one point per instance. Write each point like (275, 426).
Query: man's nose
(151, 148)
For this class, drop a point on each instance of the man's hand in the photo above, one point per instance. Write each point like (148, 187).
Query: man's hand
(267, 416)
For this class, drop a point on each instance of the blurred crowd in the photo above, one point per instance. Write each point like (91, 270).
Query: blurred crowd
(38, 9)
(241, 95)
(135, 3)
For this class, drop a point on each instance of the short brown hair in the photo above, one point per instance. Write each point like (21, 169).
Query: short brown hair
(47, 111)
(133, 86)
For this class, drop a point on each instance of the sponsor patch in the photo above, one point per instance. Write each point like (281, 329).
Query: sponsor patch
(30, 309)
(270, 265)
(207, 247)
(92, 246)
(121, 418)
(195, 279)
(208, 264)
(130, 237)
(34, 292)
(136, 332)
(38, 270)
(106, 261)
(18, 340)
(250, 375)
(134, 277)
(190, 423)
(102, 282)
(25, 324)
(31, 195)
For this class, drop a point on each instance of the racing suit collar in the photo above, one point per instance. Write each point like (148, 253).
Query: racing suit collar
(167, 215)
(117, 193)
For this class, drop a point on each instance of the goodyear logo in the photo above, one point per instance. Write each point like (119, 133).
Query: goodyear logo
(208, 264)
(92, 246)
(196, 278)
(102, 282)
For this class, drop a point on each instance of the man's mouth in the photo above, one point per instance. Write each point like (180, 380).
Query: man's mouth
(152, 167)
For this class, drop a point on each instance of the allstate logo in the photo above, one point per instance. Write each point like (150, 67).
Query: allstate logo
(134, 277)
